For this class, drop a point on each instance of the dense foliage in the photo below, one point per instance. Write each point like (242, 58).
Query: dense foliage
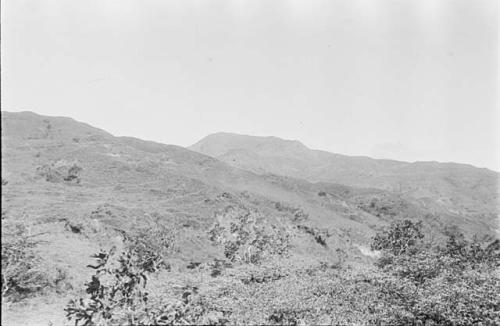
(454, 284)
(412, 283)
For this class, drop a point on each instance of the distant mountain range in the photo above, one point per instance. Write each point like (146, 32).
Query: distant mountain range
(461, 189)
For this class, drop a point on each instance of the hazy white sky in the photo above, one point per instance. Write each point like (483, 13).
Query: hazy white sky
(408, 80)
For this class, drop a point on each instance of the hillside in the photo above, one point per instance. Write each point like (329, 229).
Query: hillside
(457, 189)
(82, 189)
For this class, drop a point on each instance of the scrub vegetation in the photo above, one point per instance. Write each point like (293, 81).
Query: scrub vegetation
(104, 230)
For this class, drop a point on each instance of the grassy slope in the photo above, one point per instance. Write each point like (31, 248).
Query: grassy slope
(456, 190)
(125, 180)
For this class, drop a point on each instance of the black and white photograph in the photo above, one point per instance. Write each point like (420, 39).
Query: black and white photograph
(250, 162)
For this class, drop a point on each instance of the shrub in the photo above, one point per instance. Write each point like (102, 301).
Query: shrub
(114, 293)
(117, 295)
(402, 237)
(298, 215)
(320, 236)
(285, 317)
(60, 171)
(460, 299)
(245, 238)
(473, 253)
(469, 298)
(152, 245)
(73, 173)
(452, 285)
(217, 266)
(21, 272)
(230, 250)
(417, 268)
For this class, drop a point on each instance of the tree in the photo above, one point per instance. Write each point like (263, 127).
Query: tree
(402, 237)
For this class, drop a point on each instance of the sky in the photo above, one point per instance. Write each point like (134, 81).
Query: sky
(412, 80)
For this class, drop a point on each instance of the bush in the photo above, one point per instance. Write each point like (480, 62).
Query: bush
(112, 291)
(152, 245)
(447, 299)
(473, 253)
(460, 299)
(60, 171)
(117, 295)
(452, 285)
(246, 239)
(320, 236)
(402, 237)
(21, 272)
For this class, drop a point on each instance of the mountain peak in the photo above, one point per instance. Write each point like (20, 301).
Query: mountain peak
(222, 142)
